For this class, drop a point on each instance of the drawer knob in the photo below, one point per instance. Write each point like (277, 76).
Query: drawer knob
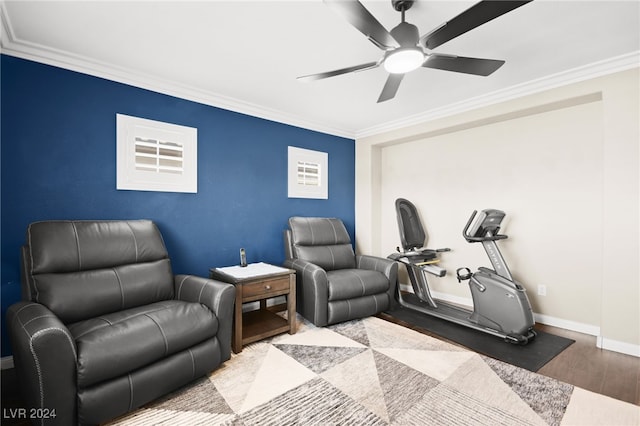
(267, 287)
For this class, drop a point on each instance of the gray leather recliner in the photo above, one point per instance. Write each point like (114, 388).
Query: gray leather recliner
(104, 326)
(334, 284)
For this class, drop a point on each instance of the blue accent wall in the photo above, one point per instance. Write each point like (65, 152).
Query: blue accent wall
(58, 161)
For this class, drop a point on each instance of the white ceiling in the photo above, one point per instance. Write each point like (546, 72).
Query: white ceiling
(246, 55)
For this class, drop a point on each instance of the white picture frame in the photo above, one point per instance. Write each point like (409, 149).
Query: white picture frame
(156, 156)
(308, 173)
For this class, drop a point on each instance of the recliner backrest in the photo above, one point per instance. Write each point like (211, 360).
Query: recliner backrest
(82, 269)
(322, 241)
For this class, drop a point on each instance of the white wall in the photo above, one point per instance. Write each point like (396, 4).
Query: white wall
(562, 164)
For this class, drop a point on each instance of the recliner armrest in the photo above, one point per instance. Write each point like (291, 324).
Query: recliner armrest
(312, 290)
(217, 296)
(388, 267)
(310, 271)
(45, 361)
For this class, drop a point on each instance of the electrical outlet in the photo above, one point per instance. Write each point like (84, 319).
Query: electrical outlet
(542, 290)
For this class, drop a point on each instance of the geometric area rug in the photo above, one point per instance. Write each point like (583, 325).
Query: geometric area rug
(374, 372)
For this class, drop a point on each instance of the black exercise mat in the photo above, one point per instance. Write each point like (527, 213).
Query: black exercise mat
(532, 356)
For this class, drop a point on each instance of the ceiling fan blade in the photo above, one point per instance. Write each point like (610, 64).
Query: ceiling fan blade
(358, 16)
(476, 15)
(355, 68)
(475, 66)
(390, 87)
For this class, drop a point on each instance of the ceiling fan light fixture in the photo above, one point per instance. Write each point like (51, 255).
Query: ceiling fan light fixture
(403, 60)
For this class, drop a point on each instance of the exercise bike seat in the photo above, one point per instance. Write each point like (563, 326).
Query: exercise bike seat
(413, 238)
(412, 234)
(426, 263)
(422, 251)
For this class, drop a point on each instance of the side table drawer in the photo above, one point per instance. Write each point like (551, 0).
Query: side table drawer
(264, 288)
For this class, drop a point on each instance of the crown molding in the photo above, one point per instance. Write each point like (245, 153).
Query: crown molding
(587, 72)
(11, 45)
(167, 87)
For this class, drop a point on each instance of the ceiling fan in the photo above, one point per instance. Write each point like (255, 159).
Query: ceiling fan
(403, 46)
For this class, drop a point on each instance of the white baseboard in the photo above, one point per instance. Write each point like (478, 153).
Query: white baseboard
(617, 346)
(591, 330)
(6, 362)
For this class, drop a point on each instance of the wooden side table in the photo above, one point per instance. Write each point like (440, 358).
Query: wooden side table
(259, 282)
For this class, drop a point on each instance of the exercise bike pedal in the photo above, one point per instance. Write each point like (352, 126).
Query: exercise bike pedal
(463, 276)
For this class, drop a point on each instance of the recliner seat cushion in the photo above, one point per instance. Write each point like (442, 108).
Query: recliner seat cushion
(115, 344)
(350, 283)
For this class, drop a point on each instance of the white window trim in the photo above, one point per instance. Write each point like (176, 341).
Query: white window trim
(172, 154)
(315, 183)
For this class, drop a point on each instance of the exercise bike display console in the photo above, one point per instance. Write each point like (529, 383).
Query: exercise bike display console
(500, 304)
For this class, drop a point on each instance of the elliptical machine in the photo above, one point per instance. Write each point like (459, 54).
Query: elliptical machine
(500, 304)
